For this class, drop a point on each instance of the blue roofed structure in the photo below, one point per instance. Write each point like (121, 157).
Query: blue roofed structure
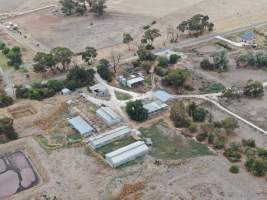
(80, 125)
(108, 116)
(248, 36)
(162, 96)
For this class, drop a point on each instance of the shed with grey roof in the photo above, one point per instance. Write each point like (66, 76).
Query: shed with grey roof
(109, 137)
(155, 107)
(126, 154)
(99, 90)
(162, 96)
(81, 126)
(108, 116)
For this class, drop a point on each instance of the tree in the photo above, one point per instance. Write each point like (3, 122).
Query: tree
(230, 124)
(127, 39)
(256, 166)
(56, 85)
(14, 57)
(174, 58)
(115, 60)
(43, 62)
(206, 65)
(234, 169)
(199, 114)
(254, 89)
(81, 77)
(89, 55)
(136, 111)
(178, 115)
(104, 72)
(98, 7)
(145, 55)
(68, 6)
(220, 61)
(163, 61)
(62, 55)
(177, 77)
(150, 35)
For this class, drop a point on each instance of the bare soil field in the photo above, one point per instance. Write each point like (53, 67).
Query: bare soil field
(130, 16)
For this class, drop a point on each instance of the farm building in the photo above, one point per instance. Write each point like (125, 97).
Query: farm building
(126, 154)
(80, 125)
(66, 91)
(155, 107)
(108, 116)
(99, 90)
(108, 137)
(132, 81)
(162, 96)
(248, 37)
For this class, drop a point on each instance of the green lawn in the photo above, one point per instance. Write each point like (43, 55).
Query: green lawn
(172, 147)
(115, 145)
(3, 61)
(122, 96)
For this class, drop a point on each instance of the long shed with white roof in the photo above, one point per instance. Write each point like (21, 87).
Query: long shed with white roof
(108, 137)
(126, 154)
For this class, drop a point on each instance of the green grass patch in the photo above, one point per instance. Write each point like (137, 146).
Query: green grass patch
(75, 138)
(122, 96)
(115, 145)
(44, 143)
(172, 147)
(212, 88)
(3, 62)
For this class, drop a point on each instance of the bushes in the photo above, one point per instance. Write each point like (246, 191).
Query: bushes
(256, 166)
(5, 100)
(160, 71)
(163, 61)
(254, 89)
(76, 78)
(178, 115)
(206, 64)
(233, 153)
(199, 114)
(234, 169)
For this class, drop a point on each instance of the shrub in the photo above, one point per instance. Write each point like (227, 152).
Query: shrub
(174, 59)
(256, 166)
(192, 127)
(189, 87)
(211, 138)
(56, 85)
(160, 71)
(202, 136)
(206, 64)
(163, 61)
(2, 45)
(5, 100)
(219, 143)
(249, 143)
(199, 114)
(178, 115)
(234, 169)
(233, 153)
(254, 89)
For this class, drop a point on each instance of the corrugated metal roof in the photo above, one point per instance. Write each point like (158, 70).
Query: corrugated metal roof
(126, 154)
(108, 115)
(108, 137)
(99, 87)
(155, 106)
(135, 80)
(81, 125)
(248, 36)
(162, 96)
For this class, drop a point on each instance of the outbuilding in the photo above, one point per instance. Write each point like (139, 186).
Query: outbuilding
(109, 137)
(108, 116)
(66, 91)
(162, 96)
(81, 126)
(155, 107)
(126, 154)
(99, 90)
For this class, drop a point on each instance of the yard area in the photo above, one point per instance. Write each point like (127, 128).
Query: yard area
(122, 96)
(174, 146)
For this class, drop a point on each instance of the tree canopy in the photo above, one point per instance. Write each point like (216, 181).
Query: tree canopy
(136, 111)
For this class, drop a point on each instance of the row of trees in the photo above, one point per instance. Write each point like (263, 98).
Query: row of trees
(80, 7)
(196, 25)
(76, 78)
(255, 60)
(251, 89)
(13, 55)
(59, 59)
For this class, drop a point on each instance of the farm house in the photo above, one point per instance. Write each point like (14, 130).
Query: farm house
(108, 137)
(126, 154)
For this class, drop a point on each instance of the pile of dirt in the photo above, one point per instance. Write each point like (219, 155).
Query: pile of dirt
(130, 191)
